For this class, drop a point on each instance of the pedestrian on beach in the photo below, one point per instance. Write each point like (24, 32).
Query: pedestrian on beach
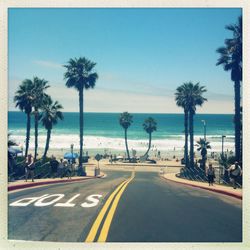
(159, 155)
(235, 172)
(68, 171)
(60, 168)
(210, 174)
(29, 167)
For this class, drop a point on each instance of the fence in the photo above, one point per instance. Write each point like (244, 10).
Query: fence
(42, 170)
(198, 174)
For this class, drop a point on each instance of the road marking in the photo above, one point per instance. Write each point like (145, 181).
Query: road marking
(107, 223)
(67, 203)
(96, 225)
(41, 203)
(92, 198)
(25, 201)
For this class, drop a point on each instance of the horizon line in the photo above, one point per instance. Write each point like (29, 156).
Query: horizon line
(104, 112)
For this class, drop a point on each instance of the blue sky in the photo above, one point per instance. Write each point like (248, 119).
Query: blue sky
(142, 55)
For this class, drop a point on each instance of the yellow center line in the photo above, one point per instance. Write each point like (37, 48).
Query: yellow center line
(95, 226)
(107, 223)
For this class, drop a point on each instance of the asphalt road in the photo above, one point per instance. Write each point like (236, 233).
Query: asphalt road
(53, 223)
(146, 208)
(163, 211)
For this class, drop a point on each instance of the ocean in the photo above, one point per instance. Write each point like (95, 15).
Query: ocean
(102, 131)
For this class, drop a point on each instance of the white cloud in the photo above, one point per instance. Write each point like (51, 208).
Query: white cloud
(114, 100)
(119, 101)
(213, 96)
(48, 64)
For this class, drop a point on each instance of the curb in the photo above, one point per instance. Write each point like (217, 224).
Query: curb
(141, 164)
(237, 196)
(34, 184)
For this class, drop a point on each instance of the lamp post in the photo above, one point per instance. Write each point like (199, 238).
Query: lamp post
(204, 127)
(72, 148)
(222, 144)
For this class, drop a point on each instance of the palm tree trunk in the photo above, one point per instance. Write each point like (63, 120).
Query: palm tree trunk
(36, 133)
(47, 143)
(81, 170)
(126, 144)
(191, 133)
(205, 158)
(186, 138)
(203, 162)
(237, 120)
(27, 134)
(149, 144)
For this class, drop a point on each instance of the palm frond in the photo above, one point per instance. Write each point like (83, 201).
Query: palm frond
(79, 73)
(51, 113)
(231, 55)
(150, 125)
(189, 95)
(125, 120)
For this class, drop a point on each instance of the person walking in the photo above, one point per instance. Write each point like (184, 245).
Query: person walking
(69, 169)
(235, 172)
(60, 168)
(210, 174)
(29, 167)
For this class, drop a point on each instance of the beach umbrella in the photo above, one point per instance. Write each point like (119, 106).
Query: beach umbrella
(70, 156)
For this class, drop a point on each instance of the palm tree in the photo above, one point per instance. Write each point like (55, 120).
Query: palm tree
(203, 146)
(231, 59)
(40, 85)
(23, 99)
(125, 121)
(149, 126)
(80, 75)
(182, 101)
(194, 98)
(50, 115)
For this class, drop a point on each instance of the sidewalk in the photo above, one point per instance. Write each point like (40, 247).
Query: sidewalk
(20, 184)
(237, 193)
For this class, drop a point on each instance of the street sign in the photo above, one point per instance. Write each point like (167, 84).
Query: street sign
(98, 157)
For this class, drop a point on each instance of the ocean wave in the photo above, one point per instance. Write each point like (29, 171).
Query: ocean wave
(64, 141)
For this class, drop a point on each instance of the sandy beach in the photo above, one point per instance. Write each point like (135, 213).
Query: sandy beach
(166, 157)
